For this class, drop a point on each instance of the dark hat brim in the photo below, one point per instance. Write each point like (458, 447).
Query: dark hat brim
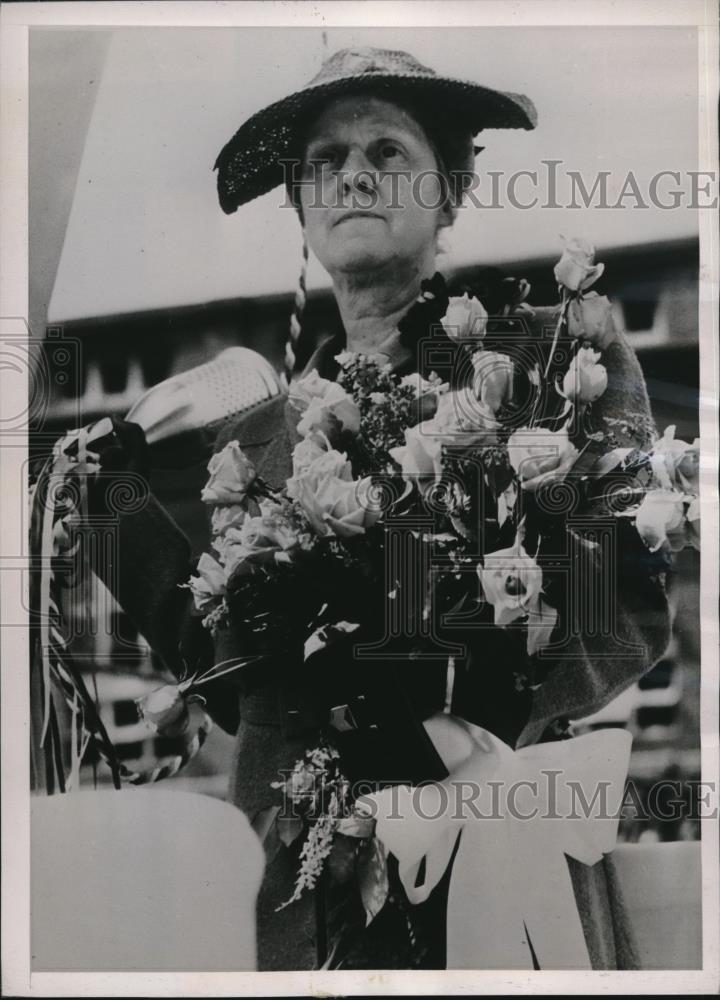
(249, 165)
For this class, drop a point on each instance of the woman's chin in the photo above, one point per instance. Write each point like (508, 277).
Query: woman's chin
(361, 257)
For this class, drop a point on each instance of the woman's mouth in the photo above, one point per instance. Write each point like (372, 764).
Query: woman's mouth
(358, 214)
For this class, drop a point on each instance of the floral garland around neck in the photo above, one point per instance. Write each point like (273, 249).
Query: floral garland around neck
(377, 445)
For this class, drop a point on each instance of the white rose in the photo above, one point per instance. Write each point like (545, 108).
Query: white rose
(493, 381)
(421, 455)
(327, 407)
(511, 581)
(590, 319)
(464, 420)
(231, 476)
(325, 463)
(268, 537)
(676, 464)
(465, 319)
(422, 386)
(305, 452)
(210, 582)
(660, 520)
(539, 456)
(332, 501)
(585, 380)
(336, 507)
(576, 269)
(345, 358)
(226, 516)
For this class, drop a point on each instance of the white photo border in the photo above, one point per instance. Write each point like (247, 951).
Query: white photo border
(15, 20)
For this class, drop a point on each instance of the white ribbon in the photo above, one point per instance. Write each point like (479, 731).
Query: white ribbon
(510, 876)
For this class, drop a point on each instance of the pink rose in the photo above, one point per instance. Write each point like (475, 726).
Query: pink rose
(465, 319)
(591, 319)
(231, 476)
(326, 407)
(576, 269)
(585, 380)
(511, 581)
(493, 382)
(539, 456)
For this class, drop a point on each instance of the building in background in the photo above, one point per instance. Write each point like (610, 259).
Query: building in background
(654, 288)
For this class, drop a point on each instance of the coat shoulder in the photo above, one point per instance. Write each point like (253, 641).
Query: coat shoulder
(267, 434)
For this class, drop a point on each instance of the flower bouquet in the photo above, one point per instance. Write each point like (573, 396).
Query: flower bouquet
(483, 468)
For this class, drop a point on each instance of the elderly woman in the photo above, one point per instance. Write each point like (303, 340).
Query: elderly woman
(374, 153)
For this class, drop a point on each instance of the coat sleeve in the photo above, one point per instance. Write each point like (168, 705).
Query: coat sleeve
(149, 558)
(593, 666)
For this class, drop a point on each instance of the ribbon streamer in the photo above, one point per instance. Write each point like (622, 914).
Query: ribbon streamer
(517, 814)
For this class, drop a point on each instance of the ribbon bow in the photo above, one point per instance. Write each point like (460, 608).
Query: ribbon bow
(516, 815)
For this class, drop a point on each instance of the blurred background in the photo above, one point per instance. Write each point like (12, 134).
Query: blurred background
(136, 274)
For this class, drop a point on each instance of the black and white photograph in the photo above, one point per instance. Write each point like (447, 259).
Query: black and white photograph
(359, 480)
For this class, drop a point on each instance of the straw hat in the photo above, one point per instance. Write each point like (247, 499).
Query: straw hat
(249, 164)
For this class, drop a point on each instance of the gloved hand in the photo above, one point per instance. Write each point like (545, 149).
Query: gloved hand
(122, 448)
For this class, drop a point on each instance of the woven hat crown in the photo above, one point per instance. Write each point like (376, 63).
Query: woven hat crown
(347, 63)
(251, 163)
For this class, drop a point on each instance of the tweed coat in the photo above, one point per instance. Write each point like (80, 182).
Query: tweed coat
(274, 723)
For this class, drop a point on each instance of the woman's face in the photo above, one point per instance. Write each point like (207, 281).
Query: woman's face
(371, 193)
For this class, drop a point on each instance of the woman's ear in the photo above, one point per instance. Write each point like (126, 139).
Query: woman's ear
(447, 214)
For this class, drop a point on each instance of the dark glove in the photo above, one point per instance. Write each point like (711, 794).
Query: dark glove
(124, 449)
(123, 454)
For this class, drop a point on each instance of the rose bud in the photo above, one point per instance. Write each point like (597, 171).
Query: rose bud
(576, 269)
(465, 319)
(585, 380)
(591, 319)
(231, 476)
(166, 710)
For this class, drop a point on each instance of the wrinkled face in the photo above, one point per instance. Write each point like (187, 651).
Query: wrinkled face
(372, 194)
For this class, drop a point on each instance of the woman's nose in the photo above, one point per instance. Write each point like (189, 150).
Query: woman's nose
(357, 172)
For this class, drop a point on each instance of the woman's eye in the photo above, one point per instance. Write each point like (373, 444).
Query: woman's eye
(321, 159)
(329, 157)
(390, 151)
